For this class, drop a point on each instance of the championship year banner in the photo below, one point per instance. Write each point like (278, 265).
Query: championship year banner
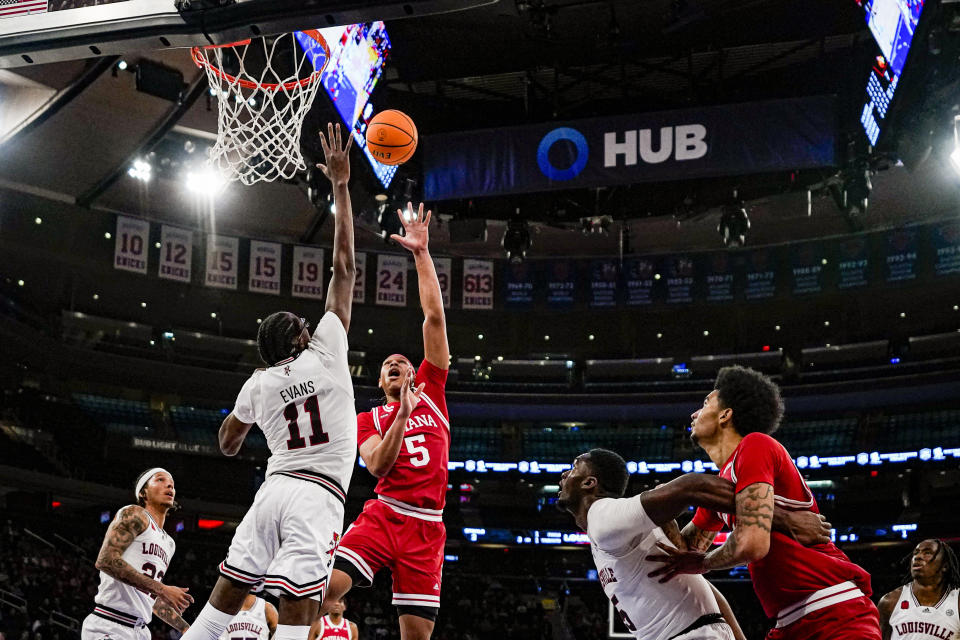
(477, 284)
(853, 264)
(444, 267)
(901, 255)
(718, 271)
(360, 284)
(603, 283)
(223, 253)
(807, 261)
(650, 147)
(518, 285)
(176, 253)
(265, 261)
(761, 278)
(946, 246)
(130, 248)
(307, 276)
(392, 280)
(561, 277)
(638, 279)
(679, 272)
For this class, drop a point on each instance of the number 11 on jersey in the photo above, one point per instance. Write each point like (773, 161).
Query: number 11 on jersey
(291, 414)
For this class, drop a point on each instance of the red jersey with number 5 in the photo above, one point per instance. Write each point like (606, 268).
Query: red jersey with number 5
(419, 476)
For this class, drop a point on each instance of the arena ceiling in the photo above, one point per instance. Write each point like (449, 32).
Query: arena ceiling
(508, 63)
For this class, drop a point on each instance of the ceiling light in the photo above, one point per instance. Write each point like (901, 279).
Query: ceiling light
(590, 337)
(141, 170)
(122, 65)
(369, 331)
(38, 220)
(157, 245)
(903, 314)
(499, 358)
(659, 335)
(776, 328)
(380, 197)
(734, 224)
(656, 276)
(705, 332)
(20, 283)
(546, 338)
(826, 323)
(476, 358)
(516, 239)
(213, 314)
(205, 180)
(107, 235)
(259, 320)
(143, 305)
(96, 296)
(479, 336)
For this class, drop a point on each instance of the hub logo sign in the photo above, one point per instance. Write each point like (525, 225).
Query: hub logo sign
(652, 147)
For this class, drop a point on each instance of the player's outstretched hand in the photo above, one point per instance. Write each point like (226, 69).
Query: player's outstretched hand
(409, 395)
(676, 562)
(176, 597)
(416, 230)
(336, 155)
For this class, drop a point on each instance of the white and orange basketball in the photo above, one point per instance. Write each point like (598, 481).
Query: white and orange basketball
(391, 137)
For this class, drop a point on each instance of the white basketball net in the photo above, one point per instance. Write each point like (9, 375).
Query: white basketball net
(261, 109)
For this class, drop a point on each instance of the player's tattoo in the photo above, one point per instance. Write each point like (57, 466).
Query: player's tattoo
(696, 538)
(754, 510)
(755, 506)
(130, 522)
(169, 615)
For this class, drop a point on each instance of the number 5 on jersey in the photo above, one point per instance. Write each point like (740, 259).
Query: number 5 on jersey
(291, 414)
(419, 456)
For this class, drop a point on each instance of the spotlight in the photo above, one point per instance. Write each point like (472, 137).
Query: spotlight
(141, 170)
(122, 65)
(516, 239)
(206, 180)
(734, 224)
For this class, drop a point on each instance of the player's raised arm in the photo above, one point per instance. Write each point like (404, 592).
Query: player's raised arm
(417, 240)
(337, 170)
(130, 522)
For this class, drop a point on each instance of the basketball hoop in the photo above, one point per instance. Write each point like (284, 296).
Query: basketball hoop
(264, 87)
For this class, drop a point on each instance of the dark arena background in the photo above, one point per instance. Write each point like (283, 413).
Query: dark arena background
(627, 196)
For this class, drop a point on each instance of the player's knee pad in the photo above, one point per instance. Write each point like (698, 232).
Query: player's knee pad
(428, 613)
(359, 580)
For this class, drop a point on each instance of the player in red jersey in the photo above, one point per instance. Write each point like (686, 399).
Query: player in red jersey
(334, 626)
(815, 592)
(406, 444)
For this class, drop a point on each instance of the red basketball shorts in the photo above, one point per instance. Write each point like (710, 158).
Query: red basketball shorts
(385, 535)
(855, 619)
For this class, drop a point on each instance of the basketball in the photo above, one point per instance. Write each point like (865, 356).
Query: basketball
(391, 137)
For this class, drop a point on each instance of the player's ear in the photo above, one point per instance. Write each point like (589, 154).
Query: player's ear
(590, 482)
(725, 416)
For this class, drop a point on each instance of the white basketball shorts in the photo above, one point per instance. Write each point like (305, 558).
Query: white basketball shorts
(97, 628)
(287, 541)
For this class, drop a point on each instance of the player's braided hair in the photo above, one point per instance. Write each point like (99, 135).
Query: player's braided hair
(610, 471)
(754, 398)
(949, 566)
(276, 338)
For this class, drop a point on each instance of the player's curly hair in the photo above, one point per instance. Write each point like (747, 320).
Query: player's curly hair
(610, 471)
(276, 338)
(950, 566)
(754, 398)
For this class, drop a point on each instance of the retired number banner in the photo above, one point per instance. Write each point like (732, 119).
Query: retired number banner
(176, 253)
(265, 260)
(477, 284)
(392, 280)
(307, 273)
(130, 249)
(444, 267)
(360, 284)
(222, 254)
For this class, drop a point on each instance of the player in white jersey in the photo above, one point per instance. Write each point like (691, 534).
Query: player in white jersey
(303, 402)
(334, 626)
(623, 531)
(927, 607)
(256, 620)
(133, 559)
